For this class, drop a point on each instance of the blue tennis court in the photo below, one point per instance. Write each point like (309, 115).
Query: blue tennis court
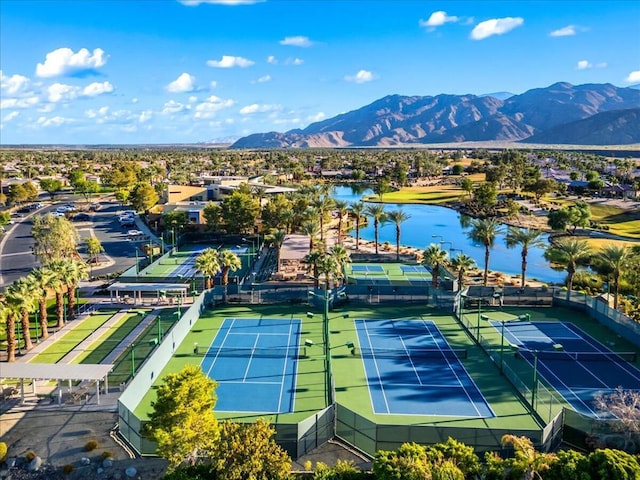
(364, 268)
(254, 362)
(419, 269)
(571, 361)
(412, 370)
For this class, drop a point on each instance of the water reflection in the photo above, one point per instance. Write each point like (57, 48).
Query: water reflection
(433, 224)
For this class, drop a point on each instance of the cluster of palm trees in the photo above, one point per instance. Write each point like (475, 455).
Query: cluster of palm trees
(213, 261)
(60, 277)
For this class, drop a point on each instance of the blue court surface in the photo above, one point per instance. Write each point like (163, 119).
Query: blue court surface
(254, 362)
(187, 269)
(571, 361)
(364, 268)
(412, 370)
(419, 269)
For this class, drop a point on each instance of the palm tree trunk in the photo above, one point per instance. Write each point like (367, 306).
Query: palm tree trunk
(71, 306)
(486, 265)
(26, 333)
(44, 327)
(571, 270)
(11, 338)
(524, 267)
(60, 308)
(397, 244)
(436, 274)
(460, 280)
(616, 288)
(375, 231)
(225, 282)
(358, 233)
(340, 230)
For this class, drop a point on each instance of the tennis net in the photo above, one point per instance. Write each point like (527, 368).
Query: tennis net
(618, 357)
(412, 353)
(248, 352)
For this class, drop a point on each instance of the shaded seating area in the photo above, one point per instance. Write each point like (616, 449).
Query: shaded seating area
(148, 293)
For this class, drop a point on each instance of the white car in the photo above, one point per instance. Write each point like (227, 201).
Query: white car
(135, 233)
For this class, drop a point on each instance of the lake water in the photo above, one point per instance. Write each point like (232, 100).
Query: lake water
(432, 224)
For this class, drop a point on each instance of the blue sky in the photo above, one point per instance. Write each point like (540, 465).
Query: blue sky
(187, 71)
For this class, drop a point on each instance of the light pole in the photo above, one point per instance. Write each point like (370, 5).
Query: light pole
(450, 245)
(502, 346)
(535, 379)
(133, 359)
(438, 236)
(327, 346)
(137, 260)
(159, 318)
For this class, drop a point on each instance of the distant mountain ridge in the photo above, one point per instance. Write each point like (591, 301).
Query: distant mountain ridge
(559, 109)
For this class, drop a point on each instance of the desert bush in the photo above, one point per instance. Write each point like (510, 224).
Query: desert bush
(106, 454)
(67, 469)
(90, 446)
(30, 455)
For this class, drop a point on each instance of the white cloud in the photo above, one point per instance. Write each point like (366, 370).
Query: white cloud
(10, 116)
(229, 61)
(134, 100)
(437, 19)
(263, 79)
(96, 88)
(173, 107)
(64, 62)
(101, 112)
(213, 84)
(25, 102)
(257, 108)
(633, 77)
(363, 76)
(585, 64)
(297, 41)
(13, 85)
(193, 99)
(294, 61)
(184, 83)
(317, 117)
(53, 121)
(61, 92)
(567, 31)
(272, 60)
(495, 26)
(195, 3)
(145, 116)
(213, 104)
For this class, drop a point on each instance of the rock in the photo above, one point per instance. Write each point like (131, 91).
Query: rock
(85, 461)
(131, 472)
(117, 476)
(107, 463)
(99, 470)
(34, 465)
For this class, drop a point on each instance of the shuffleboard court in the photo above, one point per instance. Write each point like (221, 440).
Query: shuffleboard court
(575, 364)
(254, 361)
(412, 370)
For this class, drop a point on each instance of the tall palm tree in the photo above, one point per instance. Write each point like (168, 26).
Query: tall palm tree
(41, 280)
(57, 283)
(312, 229)
(613, 259)
(323, 206)
(462, 264)
(9, 312)
(357, 211)
(398, 217)
(341, 207)
(73, 272)
(20, 294)
(208, 264)
(570, 253)
(329, 268)
(377, 212)
(434, 256)
(484, 231)
(527, 238)
(277, 237)
(312, 259)
(342, 257)
(229, 262)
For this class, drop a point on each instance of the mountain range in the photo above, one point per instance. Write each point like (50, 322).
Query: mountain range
(589, 114)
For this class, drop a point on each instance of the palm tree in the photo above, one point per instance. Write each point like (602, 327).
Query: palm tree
(329, 268)
(461, 264)
(357, 211)
(377, 212)
(484, 231)
(20, 294)
(341, 207)
(229, 261)
(277, 237)
(570, 253)
(9, 311)
(312, 259)
(57, 283)
(613, 259)
(528, 238)
(398, 217)
(41, 280)
(208, 264)
(323, 206)
(434, 256)
(341, 256)
(73, 272)
(312, 229)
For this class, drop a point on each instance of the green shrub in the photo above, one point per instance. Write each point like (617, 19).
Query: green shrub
(67, 469)
(90, 446)
(446, 471)
(30, 455)
(3, 451)
(106, 454)
(343, 470)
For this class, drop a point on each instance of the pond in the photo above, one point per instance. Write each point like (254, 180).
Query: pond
(433, 224)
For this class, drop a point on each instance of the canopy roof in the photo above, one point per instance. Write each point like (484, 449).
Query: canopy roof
(54, 371)
(147, 287)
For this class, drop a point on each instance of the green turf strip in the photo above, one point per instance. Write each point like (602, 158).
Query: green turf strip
(103, 346)
(72, 338)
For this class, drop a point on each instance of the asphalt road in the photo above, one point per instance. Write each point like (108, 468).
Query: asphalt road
(17, 259)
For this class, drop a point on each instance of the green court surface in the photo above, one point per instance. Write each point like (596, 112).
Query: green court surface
(351, 389)
(388, 273)
(72, 338)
